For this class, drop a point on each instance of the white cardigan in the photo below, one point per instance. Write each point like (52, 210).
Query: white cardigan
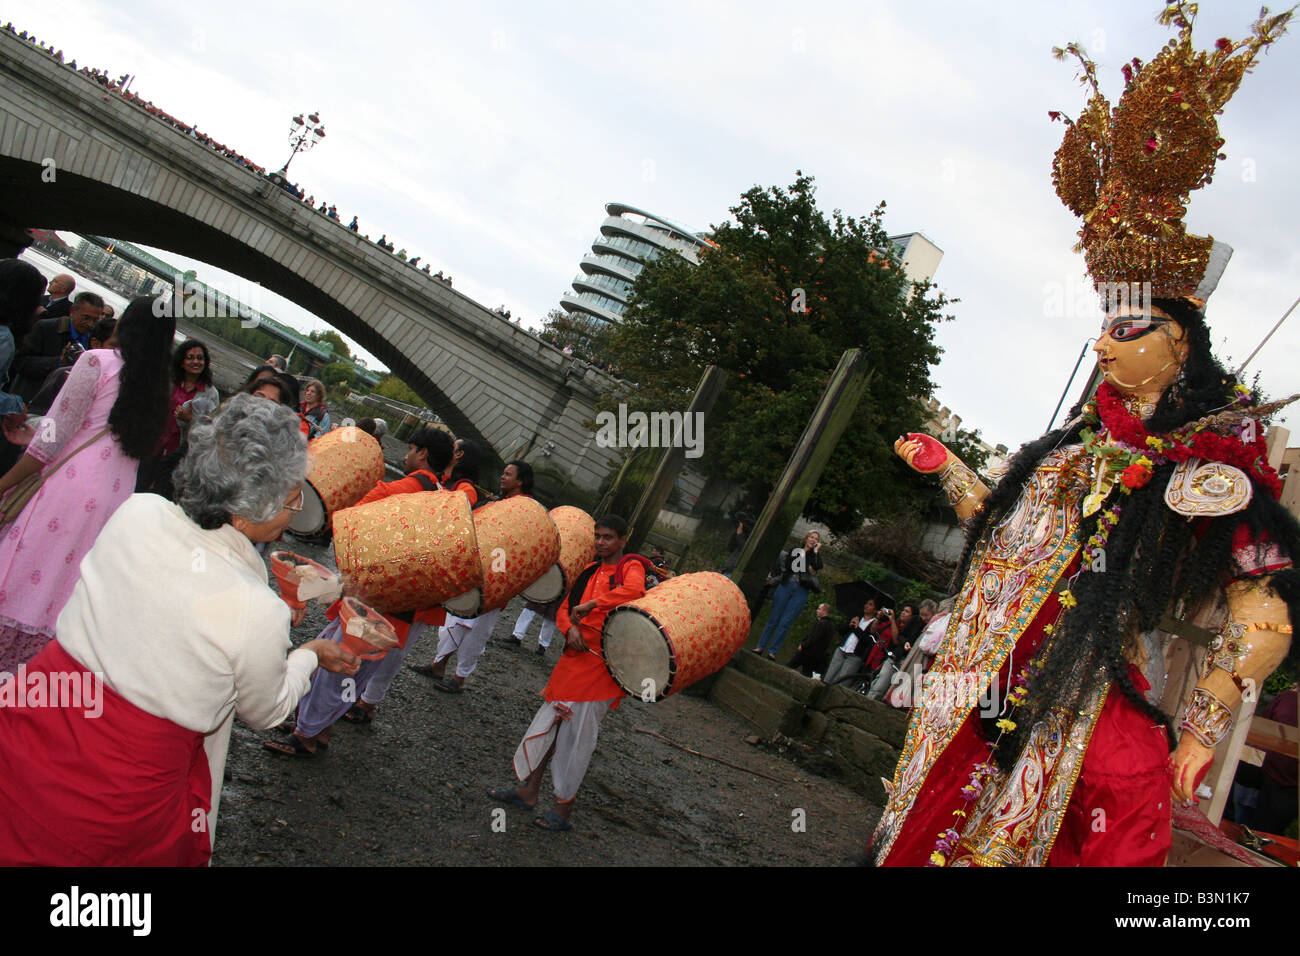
(181, 622)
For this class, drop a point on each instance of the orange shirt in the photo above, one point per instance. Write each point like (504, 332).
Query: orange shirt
(580, 675)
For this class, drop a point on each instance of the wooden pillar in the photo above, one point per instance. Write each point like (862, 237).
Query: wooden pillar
(847, 384)
(671, 459)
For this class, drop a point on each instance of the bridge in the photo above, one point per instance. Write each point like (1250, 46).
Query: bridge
(78, 157)
(320, 352)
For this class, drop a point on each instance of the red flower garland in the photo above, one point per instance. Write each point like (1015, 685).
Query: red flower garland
(1128, 428)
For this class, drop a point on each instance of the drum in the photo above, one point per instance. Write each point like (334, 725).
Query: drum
(407, 552)
(681, 631)
(345, 464)
(577, 550)
(517, 544)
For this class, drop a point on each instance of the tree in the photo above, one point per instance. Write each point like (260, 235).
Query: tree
(785, 291)
(393, 387)
(588, 336)
(341, 350)
(338, 376)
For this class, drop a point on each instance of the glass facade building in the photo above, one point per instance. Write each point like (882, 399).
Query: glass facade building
(628, 239)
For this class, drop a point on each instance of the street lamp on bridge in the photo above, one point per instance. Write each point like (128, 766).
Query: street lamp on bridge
(304, 133)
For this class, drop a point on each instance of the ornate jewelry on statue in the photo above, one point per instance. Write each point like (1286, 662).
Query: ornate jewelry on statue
(1208, 719)
(957, 481)
(1127, 172)
(1211, 489)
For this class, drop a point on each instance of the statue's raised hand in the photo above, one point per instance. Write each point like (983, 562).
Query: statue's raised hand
(922, 453)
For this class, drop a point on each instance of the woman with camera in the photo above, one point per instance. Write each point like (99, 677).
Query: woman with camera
(797, 579)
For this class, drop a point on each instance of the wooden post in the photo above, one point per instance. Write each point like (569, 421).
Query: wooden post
(845, 388)
(671, 459)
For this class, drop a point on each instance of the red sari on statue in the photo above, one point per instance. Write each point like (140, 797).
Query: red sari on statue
(1092, 786)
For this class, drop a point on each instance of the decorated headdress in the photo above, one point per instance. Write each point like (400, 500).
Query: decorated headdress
(1127, 171)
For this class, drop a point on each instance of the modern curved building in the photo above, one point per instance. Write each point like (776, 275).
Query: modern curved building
(629, 238)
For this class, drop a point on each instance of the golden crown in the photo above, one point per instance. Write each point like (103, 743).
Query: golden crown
(1128, 171)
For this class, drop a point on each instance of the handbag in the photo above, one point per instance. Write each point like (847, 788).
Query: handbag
(26, 489)
(810, 581)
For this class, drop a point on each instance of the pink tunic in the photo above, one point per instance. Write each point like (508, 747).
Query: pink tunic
(41, 552)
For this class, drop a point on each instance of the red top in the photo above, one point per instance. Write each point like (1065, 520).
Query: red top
(580, 675)
(170, 439)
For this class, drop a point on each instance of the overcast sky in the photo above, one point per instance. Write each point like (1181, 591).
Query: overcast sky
(487, 137)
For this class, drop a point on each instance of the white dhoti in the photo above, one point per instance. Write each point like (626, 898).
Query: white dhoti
(572, 727)
(467, 638)
(549, 630)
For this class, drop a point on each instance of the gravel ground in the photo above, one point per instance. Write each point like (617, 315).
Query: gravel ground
(409, 788)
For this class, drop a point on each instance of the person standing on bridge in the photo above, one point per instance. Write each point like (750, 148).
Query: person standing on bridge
(107, 417)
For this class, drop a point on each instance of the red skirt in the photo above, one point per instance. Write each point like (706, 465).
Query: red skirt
(80, 788)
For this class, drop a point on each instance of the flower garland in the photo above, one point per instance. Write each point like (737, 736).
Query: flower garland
(1244, 449)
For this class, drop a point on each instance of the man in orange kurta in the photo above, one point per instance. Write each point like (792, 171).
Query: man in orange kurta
(580, 691)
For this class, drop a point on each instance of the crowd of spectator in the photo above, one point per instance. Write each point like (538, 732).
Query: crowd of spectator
(121, 87)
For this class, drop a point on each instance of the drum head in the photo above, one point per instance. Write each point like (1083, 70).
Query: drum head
(547, 588)
(313, 517)
(637, 654)
(465, 605)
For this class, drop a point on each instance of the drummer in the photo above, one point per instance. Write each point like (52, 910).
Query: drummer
(467, 637)
(430, 452)
(580, 691)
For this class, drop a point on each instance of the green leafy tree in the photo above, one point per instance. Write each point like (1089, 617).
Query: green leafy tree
(786, 290)
(393, 387)
(588, 336)
(338, 376)
(341, 350)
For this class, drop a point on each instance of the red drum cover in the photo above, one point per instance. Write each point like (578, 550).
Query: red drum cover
(681, 631)
(517, 544)
(577, 550)
(408, 552)
(345, 464)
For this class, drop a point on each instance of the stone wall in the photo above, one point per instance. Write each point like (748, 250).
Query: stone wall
(848, 737)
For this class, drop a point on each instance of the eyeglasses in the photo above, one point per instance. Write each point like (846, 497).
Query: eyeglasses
(297, 503)
(1126, 328)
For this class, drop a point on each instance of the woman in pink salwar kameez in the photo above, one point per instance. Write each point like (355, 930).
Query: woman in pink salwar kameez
(115, 399)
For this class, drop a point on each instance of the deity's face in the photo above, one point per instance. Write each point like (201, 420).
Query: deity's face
(1141, 351)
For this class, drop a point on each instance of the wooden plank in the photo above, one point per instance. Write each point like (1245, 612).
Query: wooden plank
(1269, 735)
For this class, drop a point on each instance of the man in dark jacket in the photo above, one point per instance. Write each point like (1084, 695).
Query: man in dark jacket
(810, 658)
(57, 301)
(56, 341)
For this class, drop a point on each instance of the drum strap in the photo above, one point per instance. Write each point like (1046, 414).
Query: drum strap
(427, 483)
(580, 585)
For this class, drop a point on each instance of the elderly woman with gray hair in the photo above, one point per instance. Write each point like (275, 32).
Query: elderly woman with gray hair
(170, 632)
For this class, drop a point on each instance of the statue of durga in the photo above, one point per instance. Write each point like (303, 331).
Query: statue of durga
(1040, 736)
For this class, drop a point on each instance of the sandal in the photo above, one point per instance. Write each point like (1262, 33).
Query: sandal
(552, 821)
(425, 670)
(511, 796)
(356, 714)
(450, 685)
(291, 745)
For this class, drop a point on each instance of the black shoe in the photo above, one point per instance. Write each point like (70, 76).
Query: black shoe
(541, 651)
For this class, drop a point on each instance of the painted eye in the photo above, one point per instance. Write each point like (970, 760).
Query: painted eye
(1125, 331)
